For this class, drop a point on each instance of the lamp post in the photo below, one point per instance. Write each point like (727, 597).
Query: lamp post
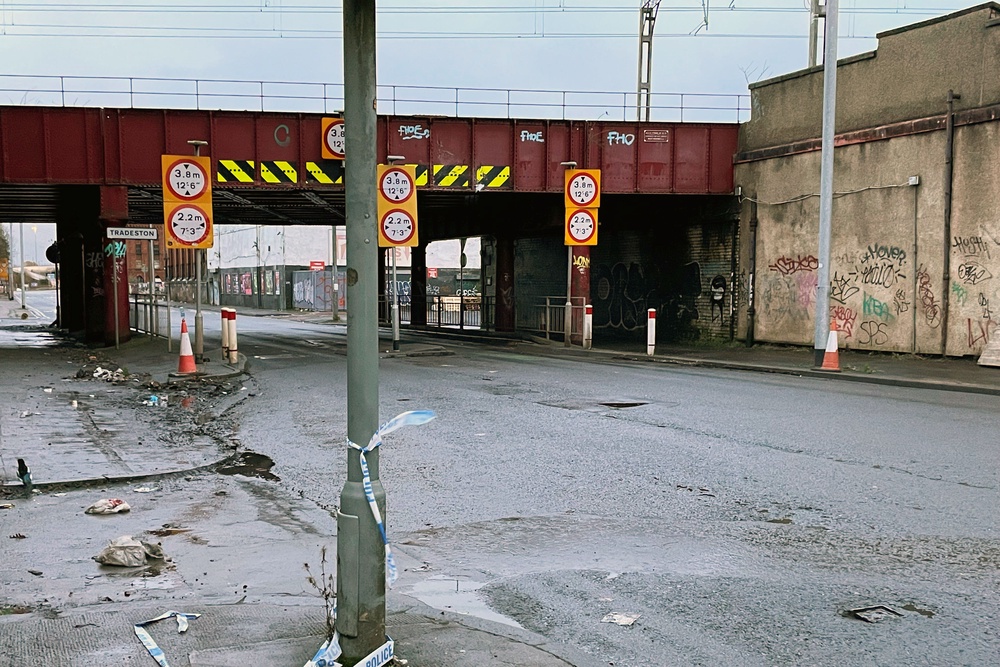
(393, 159)
(568, 315)
(199, 331)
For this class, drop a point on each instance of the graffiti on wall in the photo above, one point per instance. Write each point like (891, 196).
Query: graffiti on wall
(929, 304)
(624, 293)
(872, 307)
(873, 333)
(718, 296)
(845, 318)
(971, 246)
(841, 288)
(787, 266)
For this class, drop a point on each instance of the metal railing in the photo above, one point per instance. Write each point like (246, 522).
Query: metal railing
(462, 312)
(548, 316)
(317, 97)
(148, 317)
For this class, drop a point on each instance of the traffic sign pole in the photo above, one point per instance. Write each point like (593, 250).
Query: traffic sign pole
(199, 254)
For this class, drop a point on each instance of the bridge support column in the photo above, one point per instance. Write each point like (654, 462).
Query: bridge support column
(581, 288)
(88, 295)
(505, 284)
(114, 213)
(418, 285)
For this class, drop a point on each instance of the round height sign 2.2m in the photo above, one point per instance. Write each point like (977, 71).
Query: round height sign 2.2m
(397, 227)
(189, 224)
(581, 227)
(186, 180)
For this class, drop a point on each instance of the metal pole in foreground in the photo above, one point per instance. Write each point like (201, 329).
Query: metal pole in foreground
(154, 316)
(814, 13)
(822, 329)
(360, 551)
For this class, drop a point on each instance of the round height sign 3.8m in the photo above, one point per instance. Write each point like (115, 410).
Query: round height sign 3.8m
(582, 189)
(396, 185)
(186, 180)
(333, 139)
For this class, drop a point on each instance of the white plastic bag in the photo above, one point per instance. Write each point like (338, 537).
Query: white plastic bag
(108, 506)
(126, 551)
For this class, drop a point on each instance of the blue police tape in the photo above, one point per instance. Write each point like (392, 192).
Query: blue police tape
(155, 651)
(411, 418)
(327, 654)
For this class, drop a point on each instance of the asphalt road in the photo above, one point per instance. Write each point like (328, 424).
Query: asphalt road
(740, 515)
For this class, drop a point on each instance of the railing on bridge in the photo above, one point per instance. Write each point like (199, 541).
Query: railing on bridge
(315, 97)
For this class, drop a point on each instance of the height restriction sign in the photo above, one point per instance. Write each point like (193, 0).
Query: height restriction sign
(187, 201)
(581, 226)
(397, 206)
(583, 188)
(333, 139)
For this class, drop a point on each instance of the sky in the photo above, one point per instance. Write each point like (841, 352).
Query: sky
(708, 50)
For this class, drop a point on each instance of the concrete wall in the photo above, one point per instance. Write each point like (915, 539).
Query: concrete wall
(907, 77)
(888, 243)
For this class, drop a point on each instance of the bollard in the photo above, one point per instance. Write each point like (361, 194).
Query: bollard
(225, 334)
(588, 326)
(651, 331)
(234, 356)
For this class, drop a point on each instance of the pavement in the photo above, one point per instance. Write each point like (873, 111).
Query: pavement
(66, 420)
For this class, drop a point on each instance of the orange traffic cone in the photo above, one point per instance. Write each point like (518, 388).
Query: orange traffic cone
(831, 360)
(186, 364)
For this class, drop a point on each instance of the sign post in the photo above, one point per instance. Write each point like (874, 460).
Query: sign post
(582, 198)
(397, 215)
(187, 216)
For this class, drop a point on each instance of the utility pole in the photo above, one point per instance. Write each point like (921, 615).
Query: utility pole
(822, 330)
(647, 19)
(815, 12)
(361, 552)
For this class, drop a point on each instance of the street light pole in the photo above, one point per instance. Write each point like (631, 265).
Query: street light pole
(199, 331)
(361, 554)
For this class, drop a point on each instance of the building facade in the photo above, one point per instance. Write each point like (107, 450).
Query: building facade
(915, 242)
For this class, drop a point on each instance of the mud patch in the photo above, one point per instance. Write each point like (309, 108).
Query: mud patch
(250, 464)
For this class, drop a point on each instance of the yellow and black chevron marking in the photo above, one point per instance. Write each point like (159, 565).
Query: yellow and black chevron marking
(278, 171)
(328, 171)
(451, 175)
(235, 171)
(420, 174)
(492, 177)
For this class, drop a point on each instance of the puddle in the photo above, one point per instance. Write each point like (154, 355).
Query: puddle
(458, 596)
(618, 405)
(250, 464)
(783, 520)
(923, 612)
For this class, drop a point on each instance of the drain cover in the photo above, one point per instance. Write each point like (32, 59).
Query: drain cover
(617, 405)
(874, 614)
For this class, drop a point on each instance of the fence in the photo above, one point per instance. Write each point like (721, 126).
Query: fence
(463, 312)
(315, 97)
(146, 317)
(549, 317)
(314, 290)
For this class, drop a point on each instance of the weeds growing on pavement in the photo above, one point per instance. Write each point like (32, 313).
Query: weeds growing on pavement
(326, 586)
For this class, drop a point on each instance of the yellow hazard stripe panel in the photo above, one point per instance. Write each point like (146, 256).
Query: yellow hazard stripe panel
(329, 172)
(492, 176)
(278, 171)
(420, 174)
(451, 175)
(235, 171)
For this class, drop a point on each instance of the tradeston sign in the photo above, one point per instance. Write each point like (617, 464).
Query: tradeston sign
(133, 233)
